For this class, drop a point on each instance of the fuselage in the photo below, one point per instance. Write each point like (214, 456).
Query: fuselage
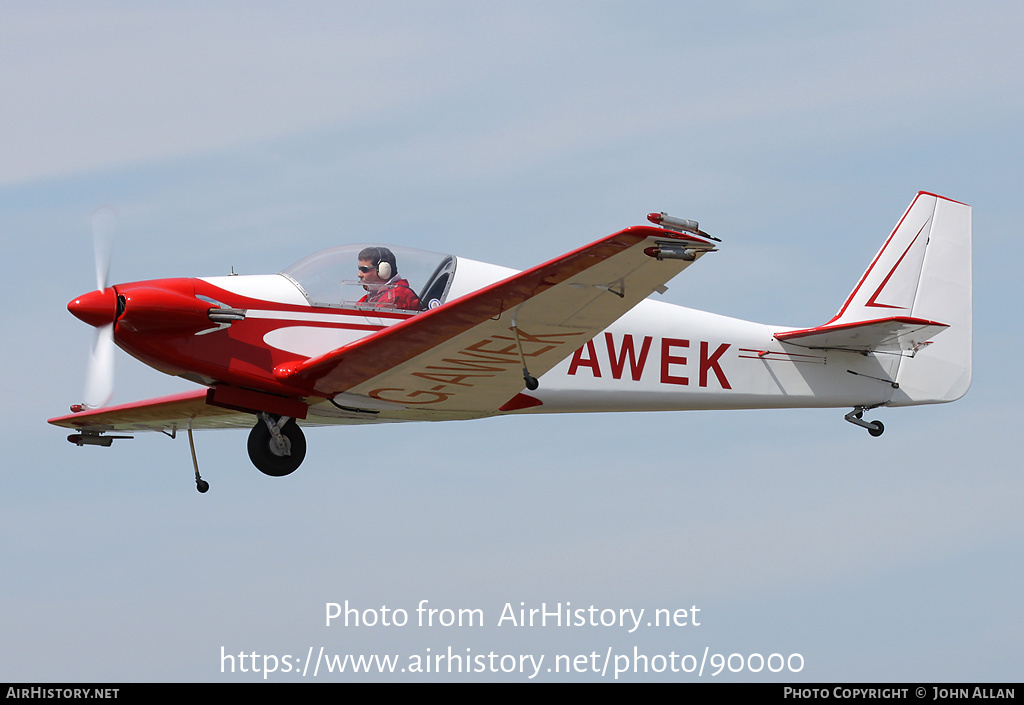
(235, 331)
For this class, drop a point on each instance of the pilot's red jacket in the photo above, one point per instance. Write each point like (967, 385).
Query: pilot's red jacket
(396, 293)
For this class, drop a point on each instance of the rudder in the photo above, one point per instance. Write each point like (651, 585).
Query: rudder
(941, 372)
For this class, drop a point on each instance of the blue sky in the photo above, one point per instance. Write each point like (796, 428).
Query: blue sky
(248, 135)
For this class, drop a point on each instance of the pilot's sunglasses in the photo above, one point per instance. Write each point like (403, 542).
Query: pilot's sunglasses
(364, 269)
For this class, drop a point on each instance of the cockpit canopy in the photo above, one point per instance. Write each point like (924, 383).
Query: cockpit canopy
(330, 277)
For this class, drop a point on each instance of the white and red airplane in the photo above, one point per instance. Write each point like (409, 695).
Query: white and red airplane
(464, 339)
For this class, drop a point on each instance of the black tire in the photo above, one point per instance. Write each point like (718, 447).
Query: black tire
(877, 429)
(265, 460)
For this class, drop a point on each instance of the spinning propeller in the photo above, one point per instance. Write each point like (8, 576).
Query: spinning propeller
(99, 309)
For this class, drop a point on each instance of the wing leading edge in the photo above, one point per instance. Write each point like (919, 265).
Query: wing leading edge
(467, 355)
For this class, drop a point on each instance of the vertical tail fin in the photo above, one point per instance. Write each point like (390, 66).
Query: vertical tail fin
(912, 307)
(923, 272)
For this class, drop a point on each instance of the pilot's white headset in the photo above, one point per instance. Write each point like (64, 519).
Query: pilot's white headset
(382, 259)
(384, 270)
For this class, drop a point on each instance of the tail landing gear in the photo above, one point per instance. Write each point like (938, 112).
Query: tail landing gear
(856, 417)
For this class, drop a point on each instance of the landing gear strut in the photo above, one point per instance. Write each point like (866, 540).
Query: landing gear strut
(530, 381)
(856, 417)
(276, 445)
(201, 484)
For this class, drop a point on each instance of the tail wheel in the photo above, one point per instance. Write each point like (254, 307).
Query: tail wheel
(856, 417)
(267, 455)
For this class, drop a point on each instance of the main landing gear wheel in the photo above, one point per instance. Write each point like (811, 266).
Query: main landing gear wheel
(276, 454)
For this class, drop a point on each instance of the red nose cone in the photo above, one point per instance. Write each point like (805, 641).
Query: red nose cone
(97, 308)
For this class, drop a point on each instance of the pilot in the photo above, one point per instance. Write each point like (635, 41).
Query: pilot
(378, 273)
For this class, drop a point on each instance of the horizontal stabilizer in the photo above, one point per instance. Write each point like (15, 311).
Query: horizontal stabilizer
(895, 334)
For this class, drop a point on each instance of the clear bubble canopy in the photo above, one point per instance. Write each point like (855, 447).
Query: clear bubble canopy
(331, 277)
